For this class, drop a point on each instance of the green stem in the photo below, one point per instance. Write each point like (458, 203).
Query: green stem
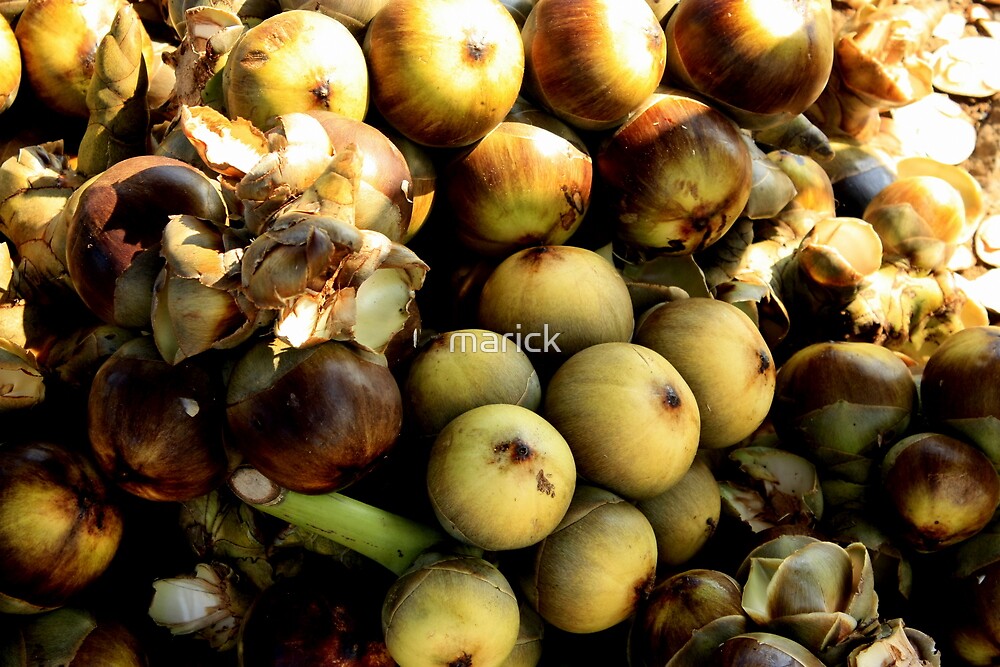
(389, 539)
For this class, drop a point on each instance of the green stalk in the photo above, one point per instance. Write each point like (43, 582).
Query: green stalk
(389, 539)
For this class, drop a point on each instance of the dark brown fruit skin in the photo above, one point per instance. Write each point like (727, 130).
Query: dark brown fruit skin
(320, 623)
(321, 424)
(121, 215)
(942, 490)
(142, 430)
(678, 606)
(79, 527)
(969, 358)
(110, 644)
(822, 374)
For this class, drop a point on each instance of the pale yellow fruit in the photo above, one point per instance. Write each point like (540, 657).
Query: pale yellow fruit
(58, 39)
(10, 66)
(629, 417)
(500, 477)
(464, 369)
(297, 60)
(684, 516)
(722, 356)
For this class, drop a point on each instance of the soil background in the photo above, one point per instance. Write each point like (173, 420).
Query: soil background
(984, 164)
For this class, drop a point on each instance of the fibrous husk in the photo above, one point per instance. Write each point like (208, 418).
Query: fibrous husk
(35, 187)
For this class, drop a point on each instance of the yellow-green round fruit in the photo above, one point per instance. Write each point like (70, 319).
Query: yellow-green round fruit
(500, 477)
(629, 417)
(464, 369)
(297, 60)
(451, 610)
(555, 300)
(684, 516)
(722, 356)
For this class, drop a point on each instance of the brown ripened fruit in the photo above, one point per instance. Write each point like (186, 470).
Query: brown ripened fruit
(164, 444)
(591, 62)
(59, 529)
(312, 419)
(113, 236)
(958, 387)
(941, 490)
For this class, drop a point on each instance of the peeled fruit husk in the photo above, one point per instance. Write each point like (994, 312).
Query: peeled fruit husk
(935, 127)
(180, 14)
(813, 198)
(10, 71)
(315, 419)
(36, 187)
(722, 356)
(842, 399)
(895, 644)
(911, 313)
(591, 62)
(818, 593)
(500, 477)
(941, 490)
(771, 190)
(384, 201)
(197, 305)
(464, 369)
(772, 487)
(684, 516)
(444, 72)
(525, 183)
(556, 300)
(678, 173)
(22, 383)
(58, 39)
(764, 62)
(882, 60)
(797, 135)
(171, 448)
(919, 219)
(964, 66)
(328, 280)
(202, 54)
(593, 570)
(295, 61)
(451, 610)
(949, 396)
(681, 608)
(589, 393)
(837, 254)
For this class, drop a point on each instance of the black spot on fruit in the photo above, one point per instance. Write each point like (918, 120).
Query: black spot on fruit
(670, 397)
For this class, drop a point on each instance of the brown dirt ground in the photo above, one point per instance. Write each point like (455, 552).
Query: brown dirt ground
(984, 164)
